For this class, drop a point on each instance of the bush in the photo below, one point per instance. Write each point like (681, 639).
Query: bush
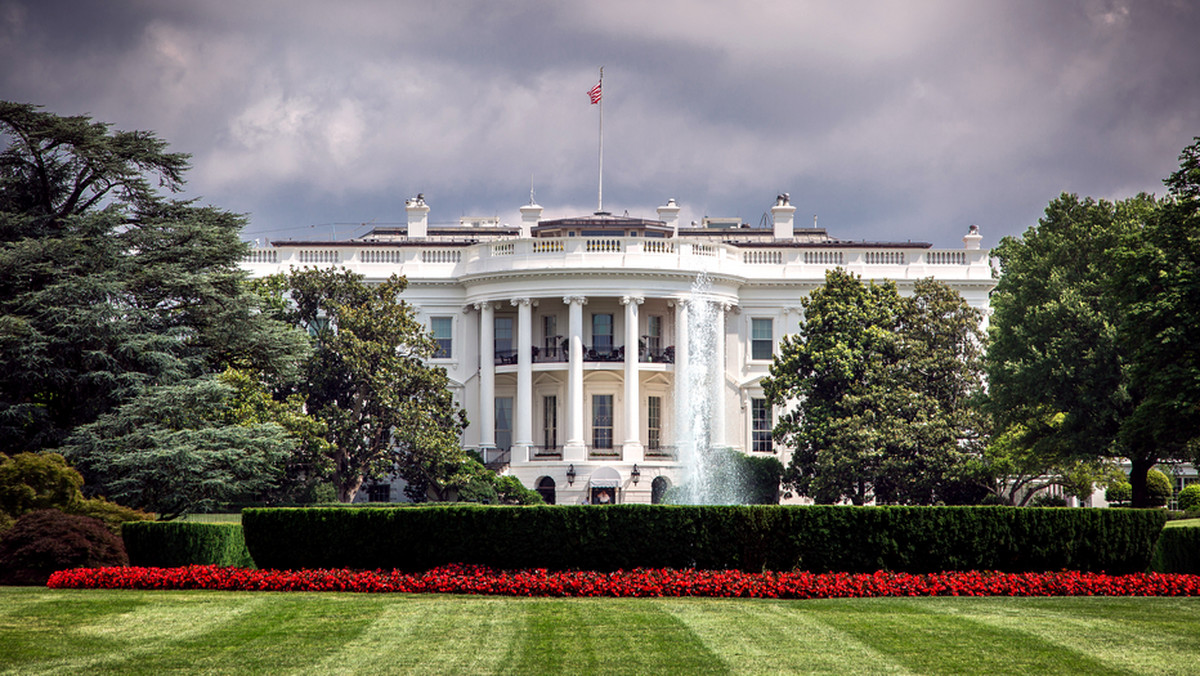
(110, 514)
(1189, 498)
(33, 481)
(47, 540)
(1045, 499)
(1177, 551)
(1158, 488)
(1118, 493)
(170, 544)
(750, 538)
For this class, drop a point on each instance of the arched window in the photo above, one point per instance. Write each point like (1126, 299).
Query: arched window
(658, 489)
(545, 488)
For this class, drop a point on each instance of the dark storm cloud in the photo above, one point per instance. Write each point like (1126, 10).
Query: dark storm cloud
(888, 120)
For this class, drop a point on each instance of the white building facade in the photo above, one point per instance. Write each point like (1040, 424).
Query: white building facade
(559, 336)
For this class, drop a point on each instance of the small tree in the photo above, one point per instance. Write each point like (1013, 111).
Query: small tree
(47, 540)
(1158, 489)
(1189, 497)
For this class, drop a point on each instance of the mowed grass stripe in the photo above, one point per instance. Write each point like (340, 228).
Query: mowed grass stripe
(617, 636)
(427, 635)
(927, 642)
(767, 637)
(1124, 634)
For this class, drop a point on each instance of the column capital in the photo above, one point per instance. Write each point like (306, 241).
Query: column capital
(570, 300)
(515, 302)
(730, 306)
(789, 310)
(483, 305)
(636, 300)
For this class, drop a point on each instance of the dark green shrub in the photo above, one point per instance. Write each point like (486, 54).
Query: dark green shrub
(110, 513)
(1189, 497)
(33, 481)
(818, 538)
(1158, 488)
(171, 544)
(1044, 499)
(1118, 493)
(47, 540)
(1177, 551)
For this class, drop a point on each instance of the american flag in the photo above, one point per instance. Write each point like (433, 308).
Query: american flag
(594, 92)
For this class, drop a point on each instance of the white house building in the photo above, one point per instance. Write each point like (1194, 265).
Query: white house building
(564, 338)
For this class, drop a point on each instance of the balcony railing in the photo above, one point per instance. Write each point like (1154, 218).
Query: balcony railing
(546, 453)
(603, 453)
(542, 354)
(660, 452)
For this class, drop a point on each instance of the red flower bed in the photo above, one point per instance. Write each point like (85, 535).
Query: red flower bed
(641, 582)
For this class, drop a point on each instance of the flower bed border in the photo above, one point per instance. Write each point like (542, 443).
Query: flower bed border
(658, 582)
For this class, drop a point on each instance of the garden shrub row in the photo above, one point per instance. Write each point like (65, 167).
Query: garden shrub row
(182, 543)
(748, 538)
(1177, 551)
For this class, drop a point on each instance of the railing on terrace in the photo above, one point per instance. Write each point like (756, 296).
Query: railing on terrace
(684, 253)
(660, 452)
(603, 453)
(546, 453)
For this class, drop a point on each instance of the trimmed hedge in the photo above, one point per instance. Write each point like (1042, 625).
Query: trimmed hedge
(750, 538)
(159, 544)
(1177, 551)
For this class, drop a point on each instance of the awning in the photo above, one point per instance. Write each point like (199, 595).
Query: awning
(605, 477)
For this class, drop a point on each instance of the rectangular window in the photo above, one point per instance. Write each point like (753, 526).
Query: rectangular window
(550, 423)
(653, 423)
(504, 416)
(602, 421)
(761, 338)
(602, 333)
(551, 341)
(654, 334)
(503, 330)
(379, 493)
(442, 328)
(760, 416)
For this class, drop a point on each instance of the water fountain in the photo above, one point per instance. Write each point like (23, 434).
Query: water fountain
(710, 477)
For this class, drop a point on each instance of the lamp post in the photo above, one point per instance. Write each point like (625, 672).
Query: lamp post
(571, 475)
(635, 473)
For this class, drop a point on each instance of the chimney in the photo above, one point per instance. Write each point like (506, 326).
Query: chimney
(418, 216)
(782, 214)
(530, 213)
(669, 214)
(972, 238)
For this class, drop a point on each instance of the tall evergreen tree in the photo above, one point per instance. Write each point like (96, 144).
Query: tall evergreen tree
(109, 288)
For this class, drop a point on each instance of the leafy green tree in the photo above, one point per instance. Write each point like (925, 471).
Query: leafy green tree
(34, 481)
(108, 288)
(1189, 497)
(1158, 488)
(175, 449)
(878, 393)
(1096, 319)
(385, 409)
(1157, 283)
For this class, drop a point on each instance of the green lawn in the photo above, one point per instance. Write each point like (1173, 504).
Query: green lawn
(138, 632)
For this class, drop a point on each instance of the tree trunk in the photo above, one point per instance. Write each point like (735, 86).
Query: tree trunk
(1137, 480)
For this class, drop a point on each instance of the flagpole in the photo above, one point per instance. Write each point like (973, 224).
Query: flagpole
(600, 193)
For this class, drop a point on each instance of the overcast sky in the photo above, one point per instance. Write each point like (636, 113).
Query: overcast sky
(887, 120)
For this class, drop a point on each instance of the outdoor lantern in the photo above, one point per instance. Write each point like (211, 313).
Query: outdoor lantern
(636, 474)
(571, 475)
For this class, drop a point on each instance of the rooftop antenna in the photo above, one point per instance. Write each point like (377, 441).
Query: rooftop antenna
(596, 96)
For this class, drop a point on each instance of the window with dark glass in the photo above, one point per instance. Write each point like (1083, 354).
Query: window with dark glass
(602, 333)
(551, 341)
(654, 334)
(504, 416)
(550, 422)
(503, 329)
(442, 328)
(653, 422)
(761, 338)
(760, 418)
(602, 421)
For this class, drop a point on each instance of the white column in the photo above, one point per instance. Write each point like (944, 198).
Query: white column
(524, 404)
(719, 437)
(681, 367)
(633, 451)
(487, 379)
(575, 449)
